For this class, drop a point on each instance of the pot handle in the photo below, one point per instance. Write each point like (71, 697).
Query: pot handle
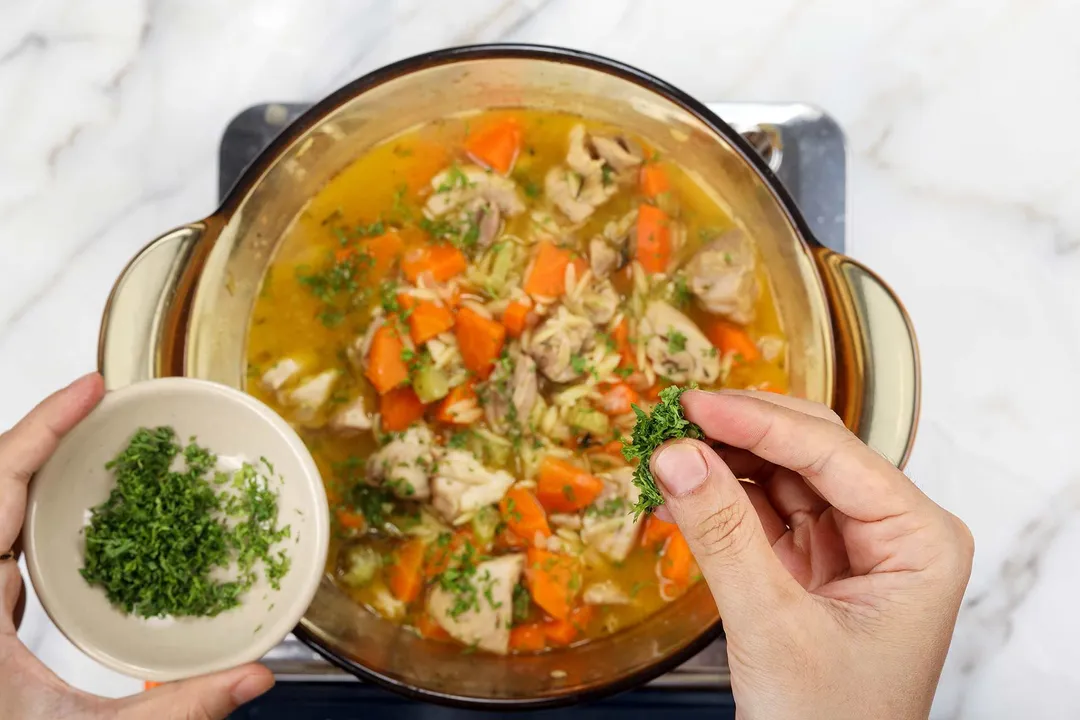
(878, 381)
(141, 307)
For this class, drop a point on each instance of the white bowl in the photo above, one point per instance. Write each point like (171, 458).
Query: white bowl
(227, 422)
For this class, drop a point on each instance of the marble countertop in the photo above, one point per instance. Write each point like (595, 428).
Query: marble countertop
(959, 183)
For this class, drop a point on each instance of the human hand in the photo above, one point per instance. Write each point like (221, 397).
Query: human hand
(837, 579)
(27, 688)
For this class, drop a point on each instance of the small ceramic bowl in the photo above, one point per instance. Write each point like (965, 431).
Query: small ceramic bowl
(227, 422)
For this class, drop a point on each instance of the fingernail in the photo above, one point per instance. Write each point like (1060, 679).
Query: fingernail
(251, 687)
(681, 468)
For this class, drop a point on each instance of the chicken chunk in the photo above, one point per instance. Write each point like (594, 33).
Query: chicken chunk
(457, 187)
(352, 418)
(590, 176)
(512, 394)
(603, 259)
(619, 153)
(557, 340)
(721, 277)
(404, 465)
(311, 394)
(282, 372)
(676, 346)
(609, 526)
(593, 298)
(480, 614)
(462, 486)
(605, 593)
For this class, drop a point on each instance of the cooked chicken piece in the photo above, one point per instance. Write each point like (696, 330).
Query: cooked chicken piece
(481, 615)
(352, 418)
(597, 300)
(557, 340)
(721, 276)
(517, 389)
(404, 464)
(569, 521)
(676, 346)
(603, 259)
(564, 187)
(311, 394)
(462, 486)
(609, 526)
(386, 604)
(771, 347)
(581, 155)
(618, 152)
(589, 180)
(605, 593)
(282, 372)
(456, 187)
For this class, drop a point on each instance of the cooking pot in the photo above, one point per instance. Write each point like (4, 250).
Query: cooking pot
(182, 306)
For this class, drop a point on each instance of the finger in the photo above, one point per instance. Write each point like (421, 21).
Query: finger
(662, 513)
(10, 592)
(791, 496)
(720, 524)
(211, 696)
(852, 477)
(807, 407)
(771, 522)
(27, 446)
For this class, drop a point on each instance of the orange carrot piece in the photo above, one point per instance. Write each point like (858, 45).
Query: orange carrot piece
(548, 274)
(730, 338)
(676, 560)
(515, 317)
(385, 368)
(459, 393)
(621, 335)
(497, 146)
(150, 685)
(350, 520)
(618, 399)
(653, 238)
(399, 409)
(654, 180)
(524, 515)
(481, 341)
(384, 250)
(564, 632)
(553, 581)
(440, 262)
(528, 638)
(427, 318)
(507, 540)
(564, 487)
(656, 531)
(405, 576)
(428, 628)
(438, 555)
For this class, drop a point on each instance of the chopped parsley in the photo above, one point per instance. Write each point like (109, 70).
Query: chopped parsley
(676, 341)
(578, 363)
(522, 603)
(666, 422)
(680, 292)
(459, 439)
(161, 542)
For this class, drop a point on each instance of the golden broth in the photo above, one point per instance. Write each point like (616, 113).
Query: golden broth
(389, 184)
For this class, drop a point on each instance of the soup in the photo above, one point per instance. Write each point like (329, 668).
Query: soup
(460, 324)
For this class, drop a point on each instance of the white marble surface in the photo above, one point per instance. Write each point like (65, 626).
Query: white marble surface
(964, 174)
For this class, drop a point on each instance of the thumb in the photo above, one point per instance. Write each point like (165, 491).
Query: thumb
(209, 697)
(722, 529)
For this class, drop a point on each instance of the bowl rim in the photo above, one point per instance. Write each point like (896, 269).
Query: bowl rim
(250, 178)
(320, 529)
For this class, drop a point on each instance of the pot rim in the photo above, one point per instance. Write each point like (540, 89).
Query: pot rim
(545, 53)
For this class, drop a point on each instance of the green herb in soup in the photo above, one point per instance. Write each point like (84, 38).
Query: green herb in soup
(461, 324)
(164, 537)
